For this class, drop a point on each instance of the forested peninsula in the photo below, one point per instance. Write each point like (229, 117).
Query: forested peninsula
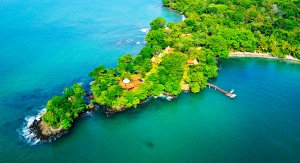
(183, 56)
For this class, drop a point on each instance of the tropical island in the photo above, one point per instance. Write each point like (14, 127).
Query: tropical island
(181, 56)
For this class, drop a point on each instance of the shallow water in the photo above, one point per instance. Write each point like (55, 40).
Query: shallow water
(46, 46)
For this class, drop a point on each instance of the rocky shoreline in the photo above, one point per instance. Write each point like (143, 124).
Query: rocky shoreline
(39, 131)
(45, 133)
(112, 110)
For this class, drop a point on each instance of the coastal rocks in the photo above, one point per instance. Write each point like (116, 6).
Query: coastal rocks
(36, 130)
(91, 107)
(49, 130)
(40, 131)
(114, 109)
(168, 96)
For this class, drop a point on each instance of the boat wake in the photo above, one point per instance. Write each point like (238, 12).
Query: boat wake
(26, 132)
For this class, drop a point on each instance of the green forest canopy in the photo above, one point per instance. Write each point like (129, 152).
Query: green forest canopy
(62, 110)
(213, 28)
(244, 25)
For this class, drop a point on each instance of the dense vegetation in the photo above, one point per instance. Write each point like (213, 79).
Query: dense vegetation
(181, 56)
(213, 28)
(242, 25)
(62, 110)
(162, 65)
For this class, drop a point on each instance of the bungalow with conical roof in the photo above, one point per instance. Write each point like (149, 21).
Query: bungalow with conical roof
(131, 84)
(192, 62)
(168, 50)
(126, 81)
(154, 60)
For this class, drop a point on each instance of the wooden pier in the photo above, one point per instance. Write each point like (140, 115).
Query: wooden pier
(228, 94)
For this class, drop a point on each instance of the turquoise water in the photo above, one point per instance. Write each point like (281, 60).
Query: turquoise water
(46, 46)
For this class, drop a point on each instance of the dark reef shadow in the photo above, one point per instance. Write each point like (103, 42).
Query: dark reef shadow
(148, 143)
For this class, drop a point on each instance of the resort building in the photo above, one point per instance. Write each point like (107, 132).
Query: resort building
(131, 84)
(192, 62)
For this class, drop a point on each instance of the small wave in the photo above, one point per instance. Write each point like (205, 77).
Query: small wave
(124, 41)
(163, 96)
(89, 113)
(145, 30)
(147, 100)
(26, 132)
(92, 82)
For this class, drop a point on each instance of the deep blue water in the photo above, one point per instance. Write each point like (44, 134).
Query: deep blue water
(48, 45)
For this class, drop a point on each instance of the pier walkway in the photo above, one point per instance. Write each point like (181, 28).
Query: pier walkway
(228, 94)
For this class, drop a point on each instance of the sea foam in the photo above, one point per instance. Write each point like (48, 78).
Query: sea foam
(26, 133)
(163, 96)
(183, 17)
(145, 30)
(124, 41)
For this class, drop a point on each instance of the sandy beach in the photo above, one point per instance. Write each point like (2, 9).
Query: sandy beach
(261, 55)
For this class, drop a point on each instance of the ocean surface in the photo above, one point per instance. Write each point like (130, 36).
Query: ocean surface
(48, 45)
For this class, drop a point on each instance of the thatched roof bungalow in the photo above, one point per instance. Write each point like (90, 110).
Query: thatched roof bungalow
(192, 62)
(154, 59)
(131, 84)
(168, 50)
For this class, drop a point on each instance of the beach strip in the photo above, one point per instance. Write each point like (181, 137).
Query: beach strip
(260, 55)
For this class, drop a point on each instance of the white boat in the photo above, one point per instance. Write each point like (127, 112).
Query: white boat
(233, 96)
(232, 90)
